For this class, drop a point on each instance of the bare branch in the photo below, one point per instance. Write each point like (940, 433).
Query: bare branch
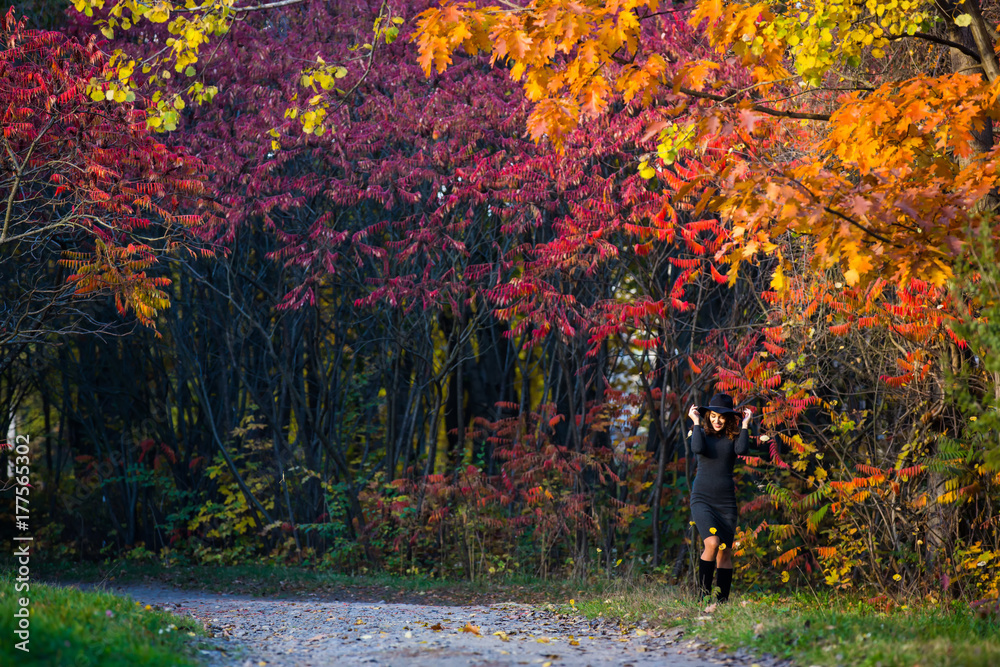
(268, 5)
(757, 107)
(942, 41)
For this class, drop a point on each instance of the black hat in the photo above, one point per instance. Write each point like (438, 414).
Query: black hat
(721, 403)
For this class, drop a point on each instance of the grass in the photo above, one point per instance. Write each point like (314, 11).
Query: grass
(815, 629)
(83, 629)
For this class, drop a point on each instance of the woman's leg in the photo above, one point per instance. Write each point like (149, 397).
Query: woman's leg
(724, 564)
(706, 565)
(712, 551)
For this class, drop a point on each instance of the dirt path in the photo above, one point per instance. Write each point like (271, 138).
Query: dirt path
(251, 631)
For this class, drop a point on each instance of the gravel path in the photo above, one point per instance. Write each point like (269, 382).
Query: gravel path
(253, 631)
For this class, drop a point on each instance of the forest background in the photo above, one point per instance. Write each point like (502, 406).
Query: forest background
(427, 289)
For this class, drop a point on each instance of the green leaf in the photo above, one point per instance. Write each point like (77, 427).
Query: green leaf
(189, 71)
(963, 20)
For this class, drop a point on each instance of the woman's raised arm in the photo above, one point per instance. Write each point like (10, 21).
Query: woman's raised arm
(697, 436)
(742, 446)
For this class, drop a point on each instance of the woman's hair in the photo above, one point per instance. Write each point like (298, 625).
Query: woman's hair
(730, 428)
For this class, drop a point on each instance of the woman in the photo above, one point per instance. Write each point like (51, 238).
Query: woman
(713, 493)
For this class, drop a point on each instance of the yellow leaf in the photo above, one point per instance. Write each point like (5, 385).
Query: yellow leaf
(778, 279)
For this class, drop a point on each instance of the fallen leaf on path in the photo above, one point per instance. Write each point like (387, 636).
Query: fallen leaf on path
(502, 635)
(474, 629)
(437, 627)
(542, 640)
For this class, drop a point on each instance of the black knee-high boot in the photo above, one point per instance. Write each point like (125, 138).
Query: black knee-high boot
(706, 568)
(725, 580)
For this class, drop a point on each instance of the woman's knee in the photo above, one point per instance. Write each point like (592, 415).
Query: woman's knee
(712, 544)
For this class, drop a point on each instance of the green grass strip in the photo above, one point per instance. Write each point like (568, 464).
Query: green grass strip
(83, 629)
(809, 629)
(275, 580)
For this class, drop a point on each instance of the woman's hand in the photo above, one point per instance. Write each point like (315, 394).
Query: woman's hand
(695, 415)
(747, 416)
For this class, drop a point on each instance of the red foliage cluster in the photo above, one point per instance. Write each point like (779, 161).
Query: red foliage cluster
(542, 488)
(86, 178)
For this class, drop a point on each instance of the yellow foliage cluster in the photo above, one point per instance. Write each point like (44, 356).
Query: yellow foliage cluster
(980, 568)
(191, 24)
(233, 517)
(816, 36)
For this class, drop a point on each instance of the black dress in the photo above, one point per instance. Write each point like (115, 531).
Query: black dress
(713, 493)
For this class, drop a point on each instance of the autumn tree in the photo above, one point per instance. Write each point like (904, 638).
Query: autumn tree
(90, 199)
(879, 167)
(437, 344)
(91, 205)
(366, 298)
(887, 112)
